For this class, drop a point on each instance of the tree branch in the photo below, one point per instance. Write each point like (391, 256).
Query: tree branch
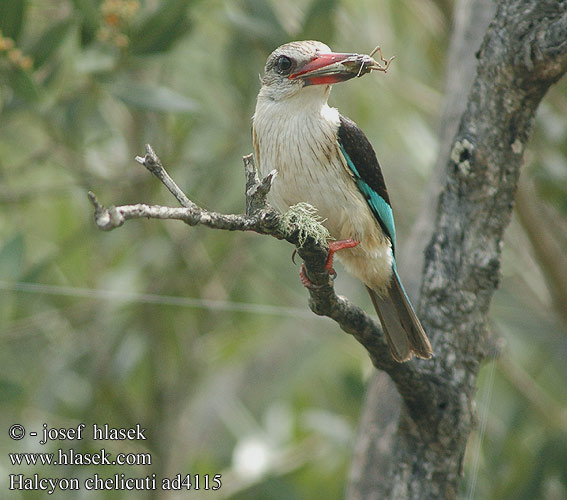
(298, 226)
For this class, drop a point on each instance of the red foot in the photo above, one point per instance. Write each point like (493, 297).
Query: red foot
(335, 246)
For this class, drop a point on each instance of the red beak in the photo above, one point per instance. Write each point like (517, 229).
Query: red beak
(328, 68)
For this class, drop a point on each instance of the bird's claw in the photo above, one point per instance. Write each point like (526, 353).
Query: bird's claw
(307, 283)
(293, 254)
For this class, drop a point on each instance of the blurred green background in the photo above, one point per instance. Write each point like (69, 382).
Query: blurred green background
(204, 337)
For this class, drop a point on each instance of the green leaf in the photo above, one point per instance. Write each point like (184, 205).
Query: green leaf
(23, 84)
(11, 258)
(152, 97)
(49, 42)
(90, 17)
(258, 21)
(161, 29)
(12, 17)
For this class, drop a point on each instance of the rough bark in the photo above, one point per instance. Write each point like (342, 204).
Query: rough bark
(523, 53)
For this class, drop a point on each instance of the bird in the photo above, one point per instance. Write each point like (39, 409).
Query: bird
(324, 159)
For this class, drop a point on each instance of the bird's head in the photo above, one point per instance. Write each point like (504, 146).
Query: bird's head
(297, 65)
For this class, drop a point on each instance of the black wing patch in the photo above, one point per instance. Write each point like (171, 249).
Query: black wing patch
(361, 160)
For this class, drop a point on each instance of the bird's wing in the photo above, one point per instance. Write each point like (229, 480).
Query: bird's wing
(365, 170)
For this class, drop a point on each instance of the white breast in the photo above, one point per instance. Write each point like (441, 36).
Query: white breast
(297, 137)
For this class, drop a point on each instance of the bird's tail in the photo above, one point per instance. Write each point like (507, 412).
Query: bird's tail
(402, 328)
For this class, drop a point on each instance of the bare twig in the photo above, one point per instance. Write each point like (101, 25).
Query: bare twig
(113, 217)
(152, 162)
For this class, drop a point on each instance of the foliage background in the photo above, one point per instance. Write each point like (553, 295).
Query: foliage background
(204, 337)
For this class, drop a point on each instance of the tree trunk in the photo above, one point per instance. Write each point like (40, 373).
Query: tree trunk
(412, 441)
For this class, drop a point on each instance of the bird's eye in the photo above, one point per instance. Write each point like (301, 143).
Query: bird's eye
(283, 64)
